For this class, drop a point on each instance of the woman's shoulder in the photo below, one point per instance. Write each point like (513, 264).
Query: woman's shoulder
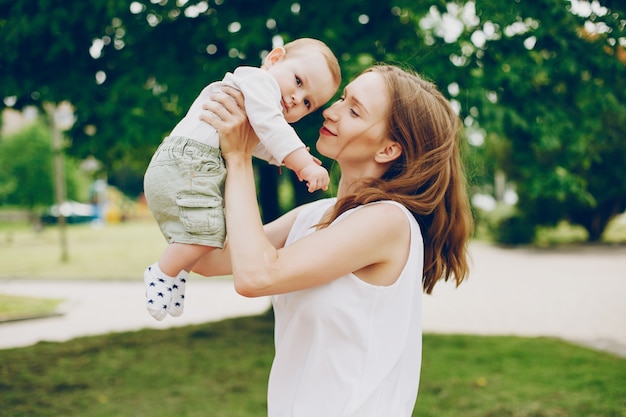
(379, 218)
(387, 216)
(384, 209)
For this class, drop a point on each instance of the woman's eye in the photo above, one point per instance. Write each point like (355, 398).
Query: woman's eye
(353, 113)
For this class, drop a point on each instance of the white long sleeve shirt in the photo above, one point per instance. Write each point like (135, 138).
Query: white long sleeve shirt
(348, 348)
(263, 107)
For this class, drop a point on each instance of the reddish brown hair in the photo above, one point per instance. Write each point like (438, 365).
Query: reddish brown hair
(428, 178)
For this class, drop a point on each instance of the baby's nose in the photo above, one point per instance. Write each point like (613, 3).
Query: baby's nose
(296, 98)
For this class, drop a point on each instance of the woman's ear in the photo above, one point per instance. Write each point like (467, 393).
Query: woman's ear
(274, 56)
(389, 152)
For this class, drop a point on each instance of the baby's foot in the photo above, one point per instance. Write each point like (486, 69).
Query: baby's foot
(158, 292)
(178, 294)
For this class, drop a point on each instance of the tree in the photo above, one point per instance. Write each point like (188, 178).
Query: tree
(26, 169)
(135, 68)
(560, 101)
(541, 83)
(545, 83)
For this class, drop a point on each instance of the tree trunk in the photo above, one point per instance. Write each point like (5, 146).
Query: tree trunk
(594, 221)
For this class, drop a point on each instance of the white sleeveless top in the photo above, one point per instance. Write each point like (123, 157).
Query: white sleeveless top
(348, 348)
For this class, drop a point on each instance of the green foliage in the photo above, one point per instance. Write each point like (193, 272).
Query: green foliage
(26, 167)
(560, 107)
(506, 225)
(221, 369)
(547, 94)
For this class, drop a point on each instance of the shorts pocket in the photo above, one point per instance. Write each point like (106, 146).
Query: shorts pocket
(201, 214)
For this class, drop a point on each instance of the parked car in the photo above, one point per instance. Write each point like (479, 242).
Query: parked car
(73, 212)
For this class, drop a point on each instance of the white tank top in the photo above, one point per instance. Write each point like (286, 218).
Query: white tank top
(348, 348)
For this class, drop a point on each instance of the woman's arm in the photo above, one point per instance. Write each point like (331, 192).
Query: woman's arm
(372, 242)
(218, 261)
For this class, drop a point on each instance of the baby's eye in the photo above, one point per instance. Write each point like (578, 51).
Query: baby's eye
(299, 81)
(307, 103)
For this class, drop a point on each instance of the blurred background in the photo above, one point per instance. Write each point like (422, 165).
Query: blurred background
(89, 89)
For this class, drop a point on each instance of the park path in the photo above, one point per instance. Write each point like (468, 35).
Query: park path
(576, 294)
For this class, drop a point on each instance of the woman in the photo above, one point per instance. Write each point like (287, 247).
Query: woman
(346, 274)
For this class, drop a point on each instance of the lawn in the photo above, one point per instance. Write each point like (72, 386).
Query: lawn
(23, 308)
(114, 251)
(220, 370)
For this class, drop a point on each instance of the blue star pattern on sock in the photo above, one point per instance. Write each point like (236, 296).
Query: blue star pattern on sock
(178, 294)
(158, 294)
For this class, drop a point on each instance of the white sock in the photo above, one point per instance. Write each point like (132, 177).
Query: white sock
(158, 291)
(178, 294)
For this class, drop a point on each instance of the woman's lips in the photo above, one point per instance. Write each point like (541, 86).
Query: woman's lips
(325, 131)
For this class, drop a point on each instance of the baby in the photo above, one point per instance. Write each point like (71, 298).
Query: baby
(184, 182)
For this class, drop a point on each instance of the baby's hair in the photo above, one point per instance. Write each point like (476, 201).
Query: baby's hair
(302, 46)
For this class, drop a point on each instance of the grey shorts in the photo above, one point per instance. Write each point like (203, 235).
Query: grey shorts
(184, 185)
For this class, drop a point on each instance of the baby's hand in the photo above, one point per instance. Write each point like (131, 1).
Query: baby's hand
(315, 176)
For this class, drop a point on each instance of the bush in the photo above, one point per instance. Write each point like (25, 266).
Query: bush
(507, 226)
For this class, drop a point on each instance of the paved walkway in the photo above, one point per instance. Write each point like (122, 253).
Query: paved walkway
(578, 295)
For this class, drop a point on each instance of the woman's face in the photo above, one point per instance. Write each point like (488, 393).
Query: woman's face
(356, 125)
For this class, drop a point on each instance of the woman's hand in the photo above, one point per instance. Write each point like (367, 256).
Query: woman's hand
(226, 113)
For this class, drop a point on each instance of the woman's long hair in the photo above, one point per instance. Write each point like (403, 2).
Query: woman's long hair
(428, 178)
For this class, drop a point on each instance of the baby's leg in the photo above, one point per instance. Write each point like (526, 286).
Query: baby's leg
(181, 256)
(165, 281)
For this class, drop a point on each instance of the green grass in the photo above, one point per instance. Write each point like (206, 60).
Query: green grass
(115, 251)
(221, 369)
(21, 308)
(518, 377)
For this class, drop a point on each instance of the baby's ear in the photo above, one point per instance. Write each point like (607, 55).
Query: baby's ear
(274, 56)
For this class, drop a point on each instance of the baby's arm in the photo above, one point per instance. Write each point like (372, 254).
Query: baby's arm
(307, 169)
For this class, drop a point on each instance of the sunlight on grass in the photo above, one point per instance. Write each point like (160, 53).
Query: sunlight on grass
(616, 230)
(563, 233)
(19, 308)
(115, 251)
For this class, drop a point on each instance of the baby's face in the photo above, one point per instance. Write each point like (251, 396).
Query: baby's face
(305, 84)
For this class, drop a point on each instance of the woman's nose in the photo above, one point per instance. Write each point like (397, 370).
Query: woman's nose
(329, 113)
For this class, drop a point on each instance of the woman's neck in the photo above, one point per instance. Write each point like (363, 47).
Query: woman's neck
(348, 185)
(351, 181)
